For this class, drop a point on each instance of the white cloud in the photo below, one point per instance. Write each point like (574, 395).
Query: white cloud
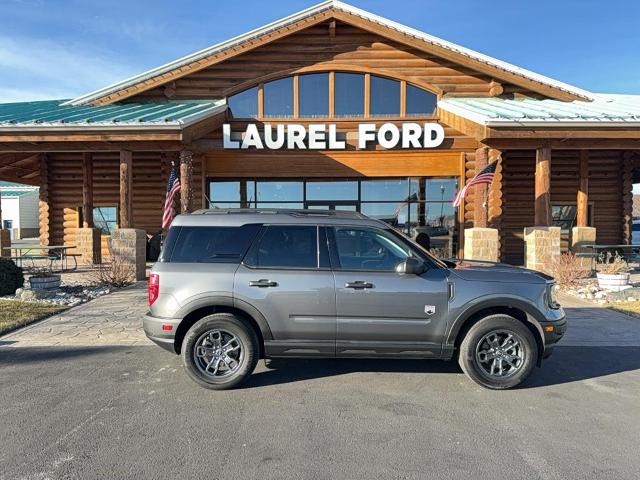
(43, 69)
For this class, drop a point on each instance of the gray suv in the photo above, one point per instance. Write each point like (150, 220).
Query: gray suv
(234, 286)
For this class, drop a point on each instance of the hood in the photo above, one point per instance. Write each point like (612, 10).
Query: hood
(475, 271)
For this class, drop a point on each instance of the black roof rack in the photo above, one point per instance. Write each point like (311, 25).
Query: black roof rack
(280, 211)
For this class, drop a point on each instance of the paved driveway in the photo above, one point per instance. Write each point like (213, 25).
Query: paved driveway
(84, 396)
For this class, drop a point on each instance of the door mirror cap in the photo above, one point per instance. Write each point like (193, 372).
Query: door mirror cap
(411, 266)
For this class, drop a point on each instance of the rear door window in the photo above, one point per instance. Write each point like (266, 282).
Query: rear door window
(285, 246)
(213, 244)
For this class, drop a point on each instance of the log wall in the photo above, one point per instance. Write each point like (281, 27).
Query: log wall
(605, 194)
(64, 191)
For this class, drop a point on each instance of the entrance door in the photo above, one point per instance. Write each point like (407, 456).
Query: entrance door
(379, 311)
(346, 206)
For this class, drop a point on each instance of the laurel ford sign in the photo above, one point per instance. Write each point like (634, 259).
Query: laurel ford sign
(321, 136)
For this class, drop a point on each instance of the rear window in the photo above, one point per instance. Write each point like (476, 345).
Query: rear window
(208, 244)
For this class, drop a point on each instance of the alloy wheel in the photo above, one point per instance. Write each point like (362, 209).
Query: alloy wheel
(218, 353)
(500, 354)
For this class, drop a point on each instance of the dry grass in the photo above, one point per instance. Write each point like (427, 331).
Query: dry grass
(630, 308)
(15, 314)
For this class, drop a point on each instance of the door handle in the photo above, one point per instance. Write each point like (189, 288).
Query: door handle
(358, 285)
(262, 283)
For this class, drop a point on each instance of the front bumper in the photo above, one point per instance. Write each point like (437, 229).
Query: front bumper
(553, 331)
(154, 328)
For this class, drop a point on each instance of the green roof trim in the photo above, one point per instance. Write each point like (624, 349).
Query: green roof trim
(51, 113)
(15, 193)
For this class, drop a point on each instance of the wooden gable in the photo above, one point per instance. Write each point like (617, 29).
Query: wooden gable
(330, 46)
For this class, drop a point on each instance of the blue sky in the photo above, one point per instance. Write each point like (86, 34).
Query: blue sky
(62, 48)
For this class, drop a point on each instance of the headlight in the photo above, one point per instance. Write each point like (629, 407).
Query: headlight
(554, 290)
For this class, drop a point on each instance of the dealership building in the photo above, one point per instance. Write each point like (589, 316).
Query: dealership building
(336, 108)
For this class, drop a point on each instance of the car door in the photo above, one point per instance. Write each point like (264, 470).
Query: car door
(286, 276)
(380, 312)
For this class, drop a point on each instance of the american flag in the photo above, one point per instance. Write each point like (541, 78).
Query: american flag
(484, 177)
(173, 187)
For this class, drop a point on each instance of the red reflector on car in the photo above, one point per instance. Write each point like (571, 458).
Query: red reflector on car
(167, 327)
(153, 290)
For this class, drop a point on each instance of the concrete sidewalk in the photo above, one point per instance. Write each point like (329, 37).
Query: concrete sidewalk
(114, 319)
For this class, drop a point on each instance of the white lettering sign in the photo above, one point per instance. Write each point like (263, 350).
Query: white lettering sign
(320, 136)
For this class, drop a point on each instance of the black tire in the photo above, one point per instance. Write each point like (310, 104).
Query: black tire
(484, 340)
(199, 350)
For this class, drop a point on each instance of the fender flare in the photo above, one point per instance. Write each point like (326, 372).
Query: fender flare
(533, 314)
(221, 300)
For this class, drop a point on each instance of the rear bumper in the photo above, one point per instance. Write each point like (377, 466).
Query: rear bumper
(155, 329)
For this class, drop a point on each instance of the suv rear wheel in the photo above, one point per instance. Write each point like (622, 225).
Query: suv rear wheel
(498, 352)
(220, 351)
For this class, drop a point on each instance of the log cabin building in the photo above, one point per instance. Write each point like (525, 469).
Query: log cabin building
(335, 108)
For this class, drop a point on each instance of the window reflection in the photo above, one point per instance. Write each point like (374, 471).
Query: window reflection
(349, 94)
(385, 96)
(279, 191)
(244, 104)
(420, 102)
(332, 190)
(313, 92)
(376, 190)
(278, 98)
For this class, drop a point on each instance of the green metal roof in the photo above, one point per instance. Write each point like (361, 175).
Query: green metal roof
(4, 184)
(604, 110)
(15, 193)
(51, 113)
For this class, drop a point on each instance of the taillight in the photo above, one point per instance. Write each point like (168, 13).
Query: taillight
(153, 289)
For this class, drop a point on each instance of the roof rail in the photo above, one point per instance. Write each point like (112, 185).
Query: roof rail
(279, 211)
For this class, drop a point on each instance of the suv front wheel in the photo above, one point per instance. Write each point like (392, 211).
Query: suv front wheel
(498, 352)
(220, 351)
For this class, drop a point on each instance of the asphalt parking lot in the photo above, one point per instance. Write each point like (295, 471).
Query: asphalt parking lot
(109, 410)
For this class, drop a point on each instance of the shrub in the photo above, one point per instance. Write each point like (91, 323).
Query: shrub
(115, 273)
(568, 268)
(11, 277)
(612, 264)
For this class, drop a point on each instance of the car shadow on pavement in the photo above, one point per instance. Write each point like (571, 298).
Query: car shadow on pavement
(566, 365)
(37, 354)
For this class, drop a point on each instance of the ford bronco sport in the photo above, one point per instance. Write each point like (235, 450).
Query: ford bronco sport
(233, 286)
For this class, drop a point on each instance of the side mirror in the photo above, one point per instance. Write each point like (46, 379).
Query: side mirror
(411, 266)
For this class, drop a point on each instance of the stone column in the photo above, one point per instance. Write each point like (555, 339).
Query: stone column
(481, 244)
(89, 246)
(129, 250)
(542, 247)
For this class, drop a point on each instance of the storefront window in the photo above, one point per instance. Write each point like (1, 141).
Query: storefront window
(385, 96)
(377, 190)
(411, 205)
(244, 104)
(349, 94)
(280, 191)
(313, 92)
(278, 98)
(332, 190)
(420, 102)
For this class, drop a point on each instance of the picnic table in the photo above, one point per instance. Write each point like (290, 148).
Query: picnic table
(52, 253)
(631, 253)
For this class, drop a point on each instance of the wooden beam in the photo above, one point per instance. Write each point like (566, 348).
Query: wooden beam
(332, 94)
(582, 200)
(296, 96)
(43, 201)
(565, 144)
(332, 29)
(627, 197)
(186, 181)
(480, 191)
(403, 98)
(126, 189)
(542, 217)
(260, 100)
(92, 146)
(87, 190)
(367, 95)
